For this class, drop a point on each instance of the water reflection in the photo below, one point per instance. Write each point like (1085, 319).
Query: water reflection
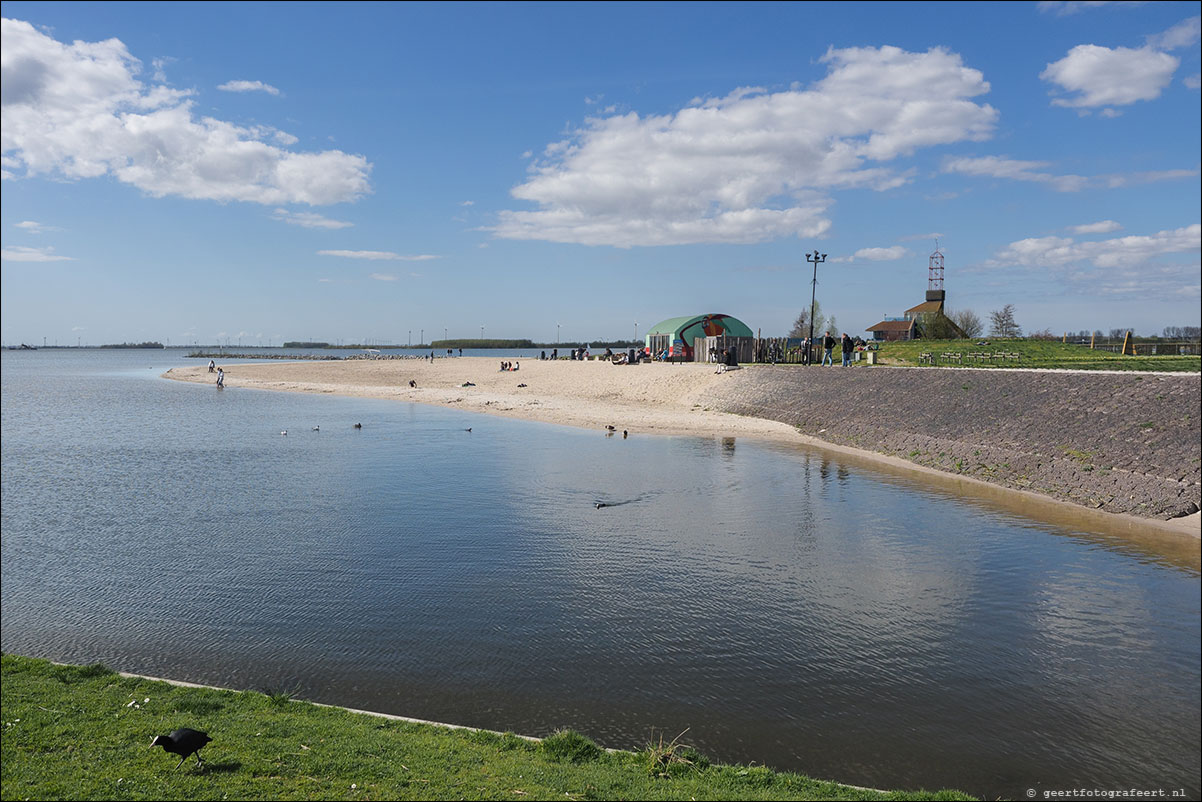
(785, 606)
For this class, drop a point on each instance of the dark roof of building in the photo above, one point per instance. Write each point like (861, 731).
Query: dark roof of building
(892, 325)
(925, 307)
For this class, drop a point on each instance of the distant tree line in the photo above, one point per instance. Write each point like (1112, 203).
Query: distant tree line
(462, 343)
(1172, 333)
(147, 344)
(1187, 333)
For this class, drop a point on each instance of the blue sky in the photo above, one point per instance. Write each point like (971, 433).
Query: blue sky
(209, 172)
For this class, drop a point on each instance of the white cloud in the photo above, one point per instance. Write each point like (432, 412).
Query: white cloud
(379, 255)
(1194, 81)
(1104, 227)
(17, 253)
(33, 227)
(750, 166)
(248, 86)
(79, 111)
(1184, 34)
(1014, 169)
(308, 220)
(1110, 77)
(1063, 8)
(1061, 251)
(383, 277)
(1123, 266)
(1150, 177)
(160, 71)
(876, 254)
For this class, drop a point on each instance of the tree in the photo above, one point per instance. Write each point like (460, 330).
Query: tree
(938, 326)
(968, 322)
(801, 326)
(1002, 323)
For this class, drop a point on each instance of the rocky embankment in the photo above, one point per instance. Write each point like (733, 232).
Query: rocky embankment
(1124, 443)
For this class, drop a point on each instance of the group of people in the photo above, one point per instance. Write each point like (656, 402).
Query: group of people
(511, 365)
(828, 341)
(828, 346)
(631, 357)
(220, 373)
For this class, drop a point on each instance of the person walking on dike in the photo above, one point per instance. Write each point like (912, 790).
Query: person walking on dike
(847, 346)
(212, 366)
(828, 345)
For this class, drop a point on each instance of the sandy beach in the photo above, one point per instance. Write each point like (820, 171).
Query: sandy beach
(660, 398)
(684, 399)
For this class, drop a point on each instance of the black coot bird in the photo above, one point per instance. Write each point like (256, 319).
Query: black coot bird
(183, 742)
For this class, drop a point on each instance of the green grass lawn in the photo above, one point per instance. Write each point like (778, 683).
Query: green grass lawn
(1032, 354)
(84, 733)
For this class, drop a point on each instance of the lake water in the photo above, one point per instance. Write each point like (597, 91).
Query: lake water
(780, 605)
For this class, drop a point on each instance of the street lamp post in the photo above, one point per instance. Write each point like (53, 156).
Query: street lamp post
(556, 335)
(817, 260)
(481, 331)
(421, 337)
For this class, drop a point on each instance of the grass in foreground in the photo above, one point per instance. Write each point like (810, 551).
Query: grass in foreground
(1034, 354)
(84, 733)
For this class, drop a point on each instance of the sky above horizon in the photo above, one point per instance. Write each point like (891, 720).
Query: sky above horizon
(387, 173)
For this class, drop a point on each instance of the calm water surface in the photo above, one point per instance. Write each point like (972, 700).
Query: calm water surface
(783, 607)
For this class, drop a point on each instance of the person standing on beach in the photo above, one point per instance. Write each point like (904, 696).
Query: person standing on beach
(828, 345)
(220, 378)
(847, 346)
(212, 366)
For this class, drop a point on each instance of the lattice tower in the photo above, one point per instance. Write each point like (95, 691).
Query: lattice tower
(935, 269)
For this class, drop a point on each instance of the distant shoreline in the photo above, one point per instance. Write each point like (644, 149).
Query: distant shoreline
(1036, 450)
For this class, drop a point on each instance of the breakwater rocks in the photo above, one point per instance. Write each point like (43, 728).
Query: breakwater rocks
(1125, 443)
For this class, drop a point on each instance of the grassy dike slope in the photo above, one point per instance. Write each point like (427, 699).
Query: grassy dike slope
(84, 733)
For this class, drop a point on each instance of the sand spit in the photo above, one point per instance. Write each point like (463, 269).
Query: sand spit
(1126, 446)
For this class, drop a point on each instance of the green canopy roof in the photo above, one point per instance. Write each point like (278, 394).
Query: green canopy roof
(686, 328)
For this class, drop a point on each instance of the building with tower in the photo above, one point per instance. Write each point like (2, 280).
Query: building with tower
(909, 325)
